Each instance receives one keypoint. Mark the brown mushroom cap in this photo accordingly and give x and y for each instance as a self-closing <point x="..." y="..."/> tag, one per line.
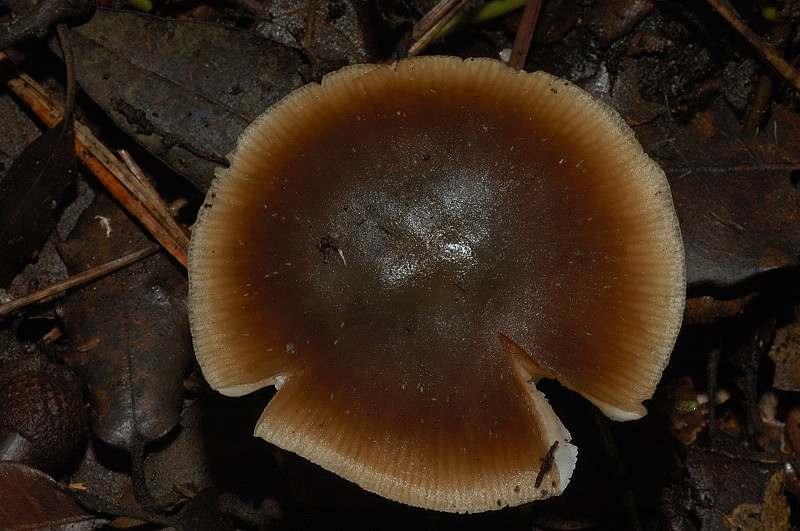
<point x="405" y="253"/>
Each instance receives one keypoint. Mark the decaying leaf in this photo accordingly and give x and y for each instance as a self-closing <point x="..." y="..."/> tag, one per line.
<point x="616" y="18"/>
<point x="184" y="90"/>
<point x="29" y="192"/>
<point x="772" y="513"/>
<point x="683" y="410"/>
<point x="785" y="353"/>
<point x="100" y="475"/>
<point x="185" y="461"/>
<point x="728" y="478"/>
<point x="34" y="18"/>
<point x="622" y="93"/>
<point x="735" y="196"/>
<point x="33" y="500"/>
<point x="128" y="331"/>
<point x="19" y="131"/>
<point x="202" y="455"/>
<point x="335" y="30"/>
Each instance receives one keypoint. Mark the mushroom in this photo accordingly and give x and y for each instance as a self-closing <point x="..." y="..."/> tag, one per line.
<point x="405" y="252"/>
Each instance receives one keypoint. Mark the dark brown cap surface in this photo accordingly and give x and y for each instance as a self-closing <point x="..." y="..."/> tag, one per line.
<point x="405" y="253"/>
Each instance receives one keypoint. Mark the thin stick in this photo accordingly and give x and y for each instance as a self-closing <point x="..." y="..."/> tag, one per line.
<point x="155" y="203"/>
<point x="522" y="41"/>
<point x="123" y="185"/>
<point x="766" y="79"/>
<point x="76" y="280"/>
<point x="108" y="169"/>
<point x="434" y="20"/>
<point x="781" y="66"/>
<point x="471" y="17"/>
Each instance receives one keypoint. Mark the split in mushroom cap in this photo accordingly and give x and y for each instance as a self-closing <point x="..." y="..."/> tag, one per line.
<point x="405" y="253"/>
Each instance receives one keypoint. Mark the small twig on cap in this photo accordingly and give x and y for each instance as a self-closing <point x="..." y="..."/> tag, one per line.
<point x="76" y="280"/>
<point x="522" y="41"/>
<point x="787" y="71"/>
<point x="108" y="169"/>
<point x="547" y="464"/>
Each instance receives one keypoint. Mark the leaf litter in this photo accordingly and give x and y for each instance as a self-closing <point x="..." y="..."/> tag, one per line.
<point x="184" y="90"/>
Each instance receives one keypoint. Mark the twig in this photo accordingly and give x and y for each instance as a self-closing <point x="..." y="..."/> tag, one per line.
<point x="76" y="280"/>
<point x="522" y="41"/>
<point x="787" y="71"/>
<point x="712" y="385"/>
<point x="155" y="204"/>
<point x="138" y="480"/>
<point x="761" y="100"/>
<point x="754" y="350"/>
<point x="123" y="185"/>
<point x="472" y="17"/>
<point x="766" y="81"/>
<point x="108" y="169"/>
<point x="547" y="464"/>
<point x="434" y="20"/>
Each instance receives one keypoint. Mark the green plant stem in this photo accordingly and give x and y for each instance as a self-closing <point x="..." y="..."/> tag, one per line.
<point x="488" y="11"/>
<point x="766" y="81"/>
